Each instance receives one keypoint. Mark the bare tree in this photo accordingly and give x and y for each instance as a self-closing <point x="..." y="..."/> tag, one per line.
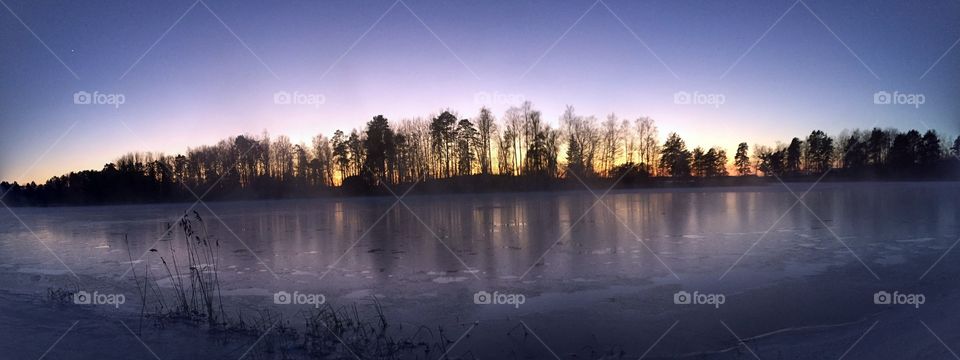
<point x="324" y="160"/>
<point x="486" y="131"/>
<point x="282" y="158"/>
<point x="610" y="144"/>
<point x="582" y="137"/>
<point x="649" y="143"/>
<point x="514" y="133"/>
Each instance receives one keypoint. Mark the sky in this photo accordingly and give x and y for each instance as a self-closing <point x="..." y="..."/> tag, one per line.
<point x="167" y="75"/>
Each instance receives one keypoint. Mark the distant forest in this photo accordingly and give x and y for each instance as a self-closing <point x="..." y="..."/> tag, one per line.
<point x="520" y="152"/>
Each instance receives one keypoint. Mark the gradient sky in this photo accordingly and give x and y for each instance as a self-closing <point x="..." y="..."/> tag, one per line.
<point x="214" y="73"/>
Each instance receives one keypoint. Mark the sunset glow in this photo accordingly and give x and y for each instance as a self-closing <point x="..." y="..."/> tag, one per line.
<point x="414" y="59"/>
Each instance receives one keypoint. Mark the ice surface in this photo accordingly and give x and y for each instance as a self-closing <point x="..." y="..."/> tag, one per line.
<point x="596" y="285"/>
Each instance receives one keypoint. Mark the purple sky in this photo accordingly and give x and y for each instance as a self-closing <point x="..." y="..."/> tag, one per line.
<point x="193" y="77"/>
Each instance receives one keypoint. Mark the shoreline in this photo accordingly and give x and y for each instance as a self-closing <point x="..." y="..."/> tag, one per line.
<point x="423" y="189"/>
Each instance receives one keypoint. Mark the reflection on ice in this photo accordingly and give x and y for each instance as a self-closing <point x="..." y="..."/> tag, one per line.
<point x="605" y="275"/>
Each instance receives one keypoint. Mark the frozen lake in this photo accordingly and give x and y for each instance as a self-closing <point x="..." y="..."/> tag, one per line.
<point x="793" y="277"/>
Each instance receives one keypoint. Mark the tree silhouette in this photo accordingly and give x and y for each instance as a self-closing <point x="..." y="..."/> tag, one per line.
<point x="521" y="153"/>
<point x="855" y="151"/>
<point x="674" y="157"/>
<point x="956" y="147"/>
<point x="377" y="146"/>
<point x="877" y="146"/>
<point x="581" y="141"/>
<point x="341" y="153"/>
<point x="904" y="152"/>
<point x="441" y="138"/>
<point x="649" y="144"/>
<point x="793" y="156"/>
<point x="771" y="162"/>
<point x="819" y="151"/>
<point x="467" y="139"/>
<point x="716" y="162"/>
<point x="930" y="151"/>
<point x="741" y="159"/>
<point x="486" y="128"/>
<point x="699" y="163"/>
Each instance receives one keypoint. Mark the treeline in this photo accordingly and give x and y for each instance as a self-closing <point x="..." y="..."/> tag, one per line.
<point x="518" y="151"/>
<point x="877" y="152"/>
